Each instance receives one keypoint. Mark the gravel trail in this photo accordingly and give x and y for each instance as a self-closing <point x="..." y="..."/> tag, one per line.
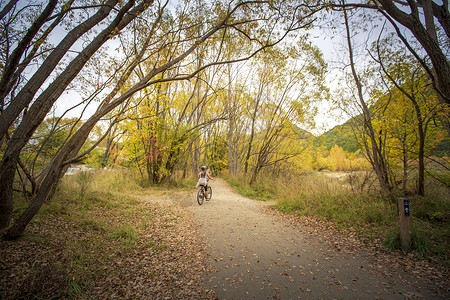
<point x="258" y="256"/>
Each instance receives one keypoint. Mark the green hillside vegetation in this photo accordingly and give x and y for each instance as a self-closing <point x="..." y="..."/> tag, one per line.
<point x="341" y="135"/>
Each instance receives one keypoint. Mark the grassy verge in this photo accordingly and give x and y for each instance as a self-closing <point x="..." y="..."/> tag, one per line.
<point x="102" y="236"/>
<point x="368" y="213"/>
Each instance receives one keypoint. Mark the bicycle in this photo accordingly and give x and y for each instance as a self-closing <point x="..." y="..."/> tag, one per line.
<point x="201" y="194"/>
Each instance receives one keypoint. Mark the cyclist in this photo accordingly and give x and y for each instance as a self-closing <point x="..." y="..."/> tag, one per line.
<point x="203" y="177"/>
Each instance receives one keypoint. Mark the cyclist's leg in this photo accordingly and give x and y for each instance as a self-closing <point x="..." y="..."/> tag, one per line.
<point x="209" y="192"/>
<point x="206" y="190"/>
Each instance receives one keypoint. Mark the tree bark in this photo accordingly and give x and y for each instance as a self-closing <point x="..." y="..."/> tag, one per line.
<point x="427" y="39"/>
<point x="27" y="93"/>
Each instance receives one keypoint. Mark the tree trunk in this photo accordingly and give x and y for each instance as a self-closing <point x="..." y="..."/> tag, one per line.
<point x="106" y="154"/>
<point x="232" y="159"/>
<point x="421" y="179"/>
<point x="421" y="170"/>
<point x="231" y="151"/>
<point x="6" y="199"/>
<point x="252" y="133"/>
<point x="43" y="104"/>
<point x="26" y="94"/>
<point x="405" y="165"/>
<point x="375" y="151"/>
<point x="427" y="38"/>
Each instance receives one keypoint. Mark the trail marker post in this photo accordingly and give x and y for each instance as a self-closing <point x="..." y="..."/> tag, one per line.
<point x="404" y="223"/>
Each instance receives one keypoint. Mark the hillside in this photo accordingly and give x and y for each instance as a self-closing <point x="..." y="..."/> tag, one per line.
<point x="345" y="136"/>
<point x="341" y="135"/>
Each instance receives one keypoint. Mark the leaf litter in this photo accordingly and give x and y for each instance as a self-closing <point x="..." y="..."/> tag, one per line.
<point x="157" y="253"/>
<point x="386" y="262"/>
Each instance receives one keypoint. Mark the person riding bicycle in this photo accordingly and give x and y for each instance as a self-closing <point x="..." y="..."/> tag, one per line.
<point x="203" y="177"/>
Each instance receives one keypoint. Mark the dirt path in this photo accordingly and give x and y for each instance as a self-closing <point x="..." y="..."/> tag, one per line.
<point x="258" y="256"/>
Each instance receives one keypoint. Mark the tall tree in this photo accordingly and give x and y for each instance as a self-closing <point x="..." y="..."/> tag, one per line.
<point x="407" y="81"/>
<point x="233" y="16"/>
<point x="435" y="16"/>
<point x="47" y="98"/>
<point x="374" y="148"/>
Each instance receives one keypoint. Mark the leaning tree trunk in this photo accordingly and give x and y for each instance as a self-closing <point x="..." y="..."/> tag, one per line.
<point x="26" y="94"/>
<point x="43" y="104"/>
<point x="53" y="175"/>
<point x="7" y="8"/>
<point x="6" y="82"/>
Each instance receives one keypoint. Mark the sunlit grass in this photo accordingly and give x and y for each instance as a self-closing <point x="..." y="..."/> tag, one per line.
<point x="127" y="234"/>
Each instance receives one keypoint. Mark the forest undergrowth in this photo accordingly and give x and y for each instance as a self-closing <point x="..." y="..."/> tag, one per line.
<point x="103" y="236"/>
<point x="346" y="202"/>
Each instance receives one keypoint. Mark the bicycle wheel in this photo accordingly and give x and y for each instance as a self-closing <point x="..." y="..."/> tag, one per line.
<point x="200" y="196"/>
<point x="209" y="193"/>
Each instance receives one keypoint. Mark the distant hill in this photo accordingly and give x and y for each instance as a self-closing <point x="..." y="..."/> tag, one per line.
<point x="344" y="136"/>
<point x="341" y="135"/>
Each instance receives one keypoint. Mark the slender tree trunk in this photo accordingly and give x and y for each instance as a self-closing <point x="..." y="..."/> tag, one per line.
<point x="421" y="179"/>
<point x="105" y="156"/>
<point x="252" y="133"/>
<point x="14" y="59"/>
<point x="230" y="142"/>
<point x="232" y="157"/>
<point x="375" y="151"/>
<point x="7" y="8"/>
<point x="405" y="165"/>
<point x="421" y="169"/>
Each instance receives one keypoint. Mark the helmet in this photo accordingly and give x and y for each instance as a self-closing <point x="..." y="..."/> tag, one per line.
<point x="203" y="168"/>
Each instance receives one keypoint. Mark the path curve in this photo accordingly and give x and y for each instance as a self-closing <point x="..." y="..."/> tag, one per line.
<point x="258" y="256"/>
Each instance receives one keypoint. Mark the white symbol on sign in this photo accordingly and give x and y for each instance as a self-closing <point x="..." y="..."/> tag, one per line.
<point x="406" y="210"/>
